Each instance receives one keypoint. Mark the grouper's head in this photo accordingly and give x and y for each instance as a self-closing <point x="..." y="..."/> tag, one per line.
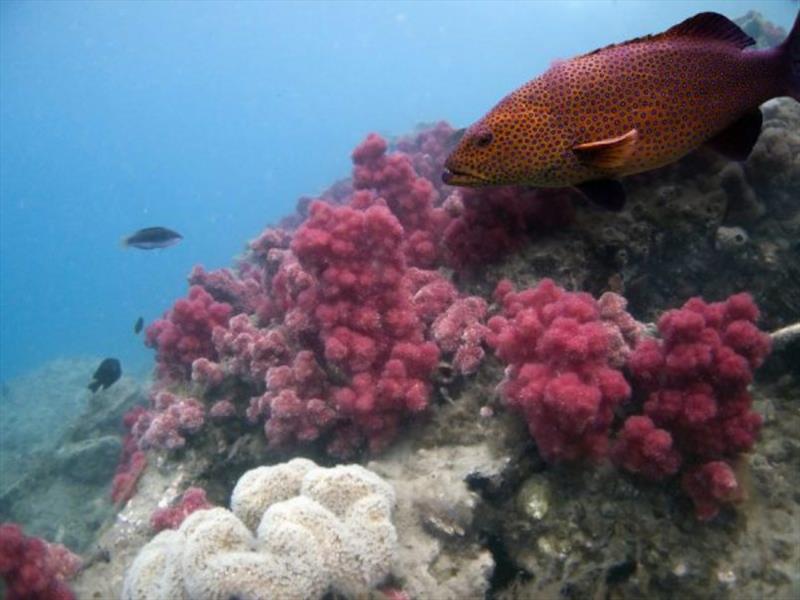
<point x="509" y="146"/>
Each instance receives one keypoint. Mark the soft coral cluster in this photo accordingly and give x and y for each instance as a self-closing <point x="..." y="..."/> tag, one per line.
<point x="331" y="327"/>
<point x="410" y="197"/>
<point x="332" y="331"/>
<point x="565" y="351"/>
<point x="460" y="330"/>
<point x="361" y="304"/>
<point x="184" y="333"/>
<point x="171" y="517"/>
<point x="697" y="410"/>
<point x="242" y="292"/>
<point x="353" y="331"/>
<point x="171" y="419"/>
<point x="34" y="569"/>
<point x="485" y="224"/>
<point x="246" y="350"/>
<point x="295" y="405"/>
<point x="560" y="374"/>
<point x="132" y="461"/>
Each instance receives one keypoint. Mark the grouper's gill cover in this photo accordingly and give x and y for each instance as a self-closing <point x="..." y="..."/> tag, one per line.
<point x="629" y="108"/>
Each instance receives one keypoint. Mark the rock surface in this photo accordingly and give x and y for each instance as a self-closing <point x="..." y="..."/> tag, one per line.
<point x="65" y="444"/>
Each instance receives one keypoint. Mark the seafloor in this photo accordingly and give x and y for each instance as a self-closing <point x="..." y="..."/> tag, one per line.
<point x="479" y="513"/>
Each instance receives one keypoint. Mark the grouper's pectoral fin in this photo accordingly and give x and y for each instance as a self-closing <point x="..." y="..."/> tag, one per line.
<point x="607" y="193"/>
<point x="609" y="154"/>
<point x="737" y="140"/>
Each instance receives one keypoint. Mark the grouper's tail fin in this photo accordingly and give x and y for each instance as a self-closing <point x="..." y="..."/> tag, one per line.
<point x="791" y="46"/>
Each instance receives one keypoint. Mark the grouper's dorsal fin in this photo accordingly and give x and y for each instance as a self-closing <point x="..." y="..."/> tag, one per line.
<point x="702" y="26"/>
<point x="710" y="26"/>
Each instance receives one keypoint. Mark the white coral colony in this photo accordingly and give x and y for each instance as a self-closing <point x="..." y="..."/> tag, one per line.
<point x="295" y="530"/>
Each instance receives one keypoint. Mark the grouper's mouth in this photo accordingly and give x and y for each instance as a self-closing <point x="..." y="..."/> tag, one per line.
<point x="453" y="176"/>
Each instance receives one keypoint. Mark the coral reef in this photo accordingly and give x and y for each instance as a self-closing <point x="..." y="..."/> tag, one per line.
<point x="184" y="333"/>
<point x="560" y="375"/>
<point x="171" y="517"/>
<point x="132" y="460"/>
<point x="310" y="352"/>
<point x="334" y="332"/>
<point x="358" y="327"/>
<point x="32" y="568"/>
<point x="698" y="407"/>
<point x="294" y="531"/>
<point x="490" y="223"/>
<point x="489" y="515"/>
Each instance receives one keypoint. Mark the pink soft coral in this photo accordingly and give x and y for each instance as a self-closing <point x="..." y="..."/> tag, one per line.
<point x="410" y="197"/>
<point x="34" y="569"/>
<point x="486" y="224"/>
<point x="132" y="461"/>
<point x="171" y="517"/>
<point x="560" y="375"/>
<point x="695" y="380"/>
<point x="172" y="419"/>
<point x="184" y="333"/>
<point x="361" y="304"/>
<point x="460" y="330"/>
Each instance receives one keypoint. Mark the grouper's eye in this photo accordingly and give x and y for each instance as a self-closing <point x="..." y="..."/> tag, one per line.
<point x="483" y="139"/>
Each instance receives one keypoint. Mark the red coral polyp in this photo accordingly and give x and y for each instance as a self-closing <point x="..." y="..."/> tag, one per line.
<point x="184" y="333"/>
<point x="644" y="449"/>
<point x="34" y="569"/>
<point x="560" y="374"/>
<point x="695" y="380"/>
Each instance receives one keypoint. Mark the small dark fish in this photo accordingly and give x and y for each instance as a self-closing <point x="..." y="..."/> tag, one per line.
<point x="106" y="374"/>
<point x="152" y="237"/>
<point x="137" y="328"/>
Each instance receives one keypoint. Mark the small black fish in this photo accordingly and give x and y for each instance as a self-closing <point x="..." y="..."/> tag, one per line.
<point x="137" y="328"/>
<point x="152" y="237"/>
<point x="106" y="374"/>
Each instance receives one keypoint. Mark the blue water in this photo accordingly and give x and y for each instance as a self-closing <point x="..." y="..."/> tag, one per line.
<point x="212" y="118"/>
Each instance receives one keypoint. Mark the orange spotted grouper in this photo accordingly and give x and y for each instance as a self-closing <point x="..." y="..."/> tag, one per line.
<point x="629" y="108"/>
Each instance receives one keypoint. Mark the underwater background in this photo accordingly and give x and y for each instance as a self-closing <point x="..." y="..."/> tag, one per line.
<point x="213" y="118"/>
<point x="378" y="384"/>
